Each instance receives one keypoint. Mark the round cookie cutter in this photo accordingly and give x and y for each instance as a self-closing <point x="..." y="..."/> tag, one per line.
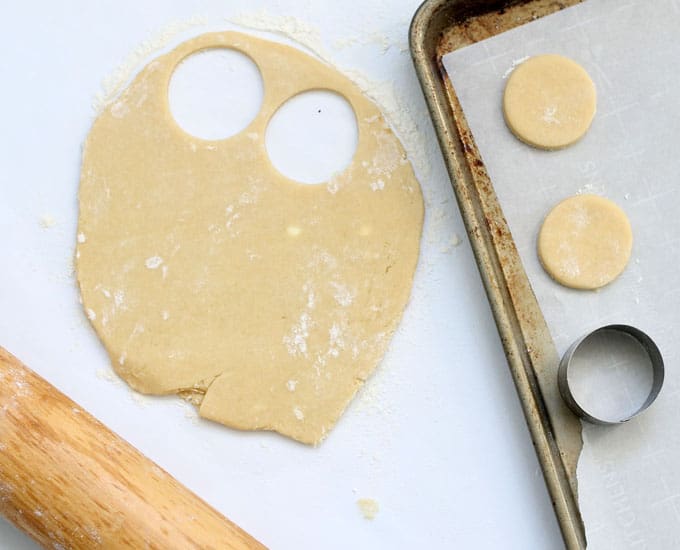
<point x="652" y="352"/>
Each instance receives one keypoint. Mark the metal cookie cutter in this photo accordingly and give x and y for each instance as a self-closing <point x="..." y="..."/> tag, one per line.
<point x="650" y="349"/>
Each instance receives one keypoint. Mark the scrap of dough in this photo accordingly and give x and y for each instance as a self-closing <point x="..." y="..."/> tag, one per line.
<point x="549" y="101"/>
<point x="369" y="507"/>
<point x="209" y="274"/>
<point x="585" y="242"/>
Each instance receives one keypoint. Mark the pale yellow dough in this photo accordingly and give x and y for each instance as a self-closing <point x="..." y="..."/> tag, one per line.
<point x="207" y="273"/>
<point x="585" y="242"/>
<point x="549" y="101"/>
<point x="369" y="507"/>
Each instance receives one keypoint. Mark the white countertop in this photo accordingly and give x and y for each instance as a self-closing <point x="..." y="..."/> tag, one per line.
<point x="436" y="436"/>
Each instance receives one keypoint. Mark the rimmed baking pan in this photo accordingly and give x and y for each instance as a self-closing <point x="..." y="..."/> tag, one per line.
<point x="440" y="27"/>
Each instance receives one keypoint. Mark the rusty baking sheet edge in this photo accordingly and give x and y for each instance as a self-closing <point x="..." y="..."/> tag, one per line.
<point x="439" y="27"/>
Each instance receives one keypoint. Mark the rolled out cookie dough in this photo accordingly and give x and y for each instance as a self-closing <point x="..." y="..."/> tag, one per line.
<point x="207" y="273"/>
<point x="549" y="101"/>
<point x="585" y="242"/>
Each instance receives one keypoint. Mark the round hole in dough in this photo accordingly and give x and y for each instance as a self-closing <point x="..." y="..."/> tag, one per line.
<point x="216" y="93"/>
<point x="585" y="242"/>
<point x="312" y="136"/>
<point x="549" y="101"/>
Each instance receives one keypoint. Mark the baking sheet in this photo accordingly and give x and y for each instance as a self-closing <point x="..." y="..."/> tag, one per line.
<point x="628" y="483"/>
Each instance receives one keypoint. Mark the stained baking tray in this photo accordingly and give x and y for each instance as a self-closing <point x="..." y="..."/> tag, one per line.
<point x="438" y="28"/>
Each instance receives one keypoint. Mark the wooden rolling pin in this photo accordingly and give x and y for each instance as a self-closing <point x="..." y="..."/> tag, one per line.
<point x="71" y="483"/>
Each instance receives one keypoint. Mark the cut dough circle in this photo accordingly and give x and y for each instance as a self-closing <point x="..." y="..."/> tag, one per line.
<point x="585" y="242"/>
<point x="549" y="101"/>
<point x="207" y="273"/>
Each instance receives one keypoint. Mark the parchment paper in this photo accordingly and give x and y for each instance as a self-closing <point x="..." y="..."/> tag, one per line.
<point x="629" y="475"/>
